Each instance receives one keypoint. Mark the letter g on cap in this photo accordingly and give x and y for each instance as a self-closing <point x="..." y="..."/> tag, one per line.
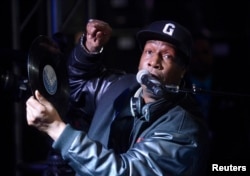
<point x="169" y="29"/>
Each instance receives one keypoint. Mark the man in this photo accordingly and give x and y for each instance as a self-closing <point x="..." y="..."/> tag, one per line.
<point x="128" y="129"/>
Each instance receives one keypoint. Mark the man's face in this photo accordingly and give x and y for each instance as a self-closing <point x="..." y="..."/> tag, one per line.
<point x="159" y="58"/>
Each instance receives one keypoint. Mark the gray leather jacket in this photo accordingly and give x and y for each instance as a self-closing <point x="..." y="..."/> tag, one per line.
<point x="167" y="137"/>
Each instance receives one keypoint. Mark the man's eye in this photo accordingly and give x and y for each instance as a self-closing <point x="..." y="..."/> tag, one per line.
<point x="148" y="51"/>
<point x="167" y="56"/>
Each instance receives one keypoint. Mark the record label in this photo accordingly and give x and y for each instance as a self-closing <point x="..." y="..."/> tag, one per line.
<point x="49" y="79"/>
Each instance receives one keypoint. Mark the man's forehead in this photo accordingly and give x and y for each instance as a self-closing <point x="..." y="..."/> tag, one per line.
<point x="160" y="42"/>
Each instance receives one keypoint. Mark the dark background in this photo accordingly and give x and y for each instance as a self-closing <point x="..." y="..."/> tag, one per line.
<point x="26" y="150"/>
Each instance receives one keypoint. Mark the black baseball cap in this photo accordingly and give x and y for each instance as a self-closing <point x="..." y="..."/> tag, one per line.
<point x="169" y="31"/>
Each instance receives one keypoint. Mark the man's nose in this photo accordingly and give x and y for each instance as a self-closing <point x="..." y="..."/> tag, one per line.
<point x="155" y="61"/>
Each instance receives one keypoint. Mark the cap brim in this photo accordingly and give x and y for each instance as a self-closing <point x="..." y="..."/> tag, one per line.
<point x="146" y="35"/>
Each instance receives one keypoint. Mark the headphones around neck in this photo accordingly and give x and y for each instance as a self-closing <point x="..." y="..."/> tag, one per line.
<point x="136" y="103"/>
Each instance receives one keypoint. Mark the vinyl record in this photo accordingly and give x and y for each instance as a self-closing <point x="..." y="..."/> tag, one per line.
<point x="47" y="72"/>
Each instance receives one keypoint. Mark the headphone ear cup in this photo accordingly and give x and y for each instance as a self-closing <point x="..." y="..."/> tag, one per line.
<point x="136" y="104"/>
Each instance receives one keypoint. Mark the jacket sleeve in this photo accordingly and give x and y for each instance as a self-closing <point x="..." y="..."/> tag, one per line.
<point x="160" y="153"/>
<point x="88" y="80"/>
